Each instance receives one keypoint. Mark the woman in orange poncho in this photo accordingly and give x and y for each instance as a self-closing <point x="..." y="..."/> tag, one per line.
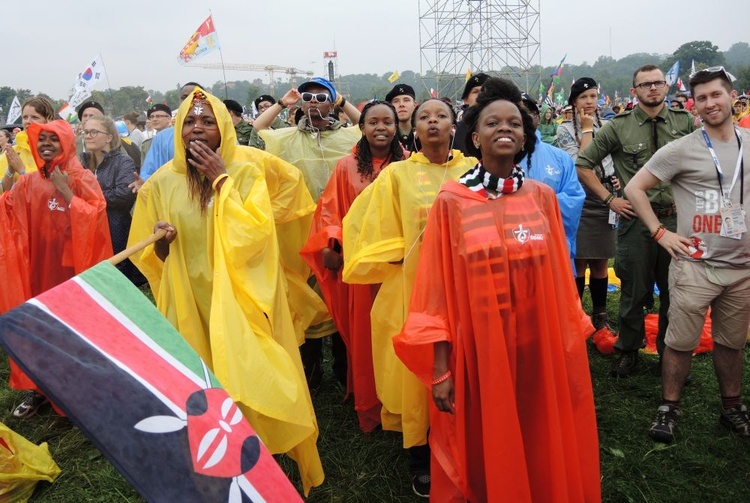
<point x="496" y="329"/>
<point x="54" y="224"/>
<point x="350" y="304"/>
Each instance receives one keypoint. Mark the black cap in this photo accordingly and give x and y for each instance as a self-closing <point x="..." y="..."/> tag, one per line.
<point x="400" y="90"/>
<point x="579" y="87"/>
<point x="158" y="107"/>
<point x="89" y="104"/>
<point x="529" y="102"/>
<point x="476" y="80"/>
<point x="264" y="97"/>
<point x="234" y="107"/>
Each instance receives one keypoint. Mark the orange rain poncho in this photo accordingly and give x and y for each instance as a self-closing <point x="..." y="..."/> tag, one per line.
<point x="382" y="236"/>
<point x="348" y="304"/>
<point x="222" y="288"/>
<point x="495" y="282"/>
<point x="45" y="241"/>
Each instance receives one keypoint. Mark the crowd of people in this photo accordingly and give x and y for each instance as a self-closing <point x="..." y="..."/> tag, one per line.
<point x="442" y="249"/>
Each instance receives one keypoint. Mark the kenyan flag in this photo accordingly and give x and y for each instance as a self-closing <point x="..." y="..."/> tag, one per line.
<point x="106" y="357"/>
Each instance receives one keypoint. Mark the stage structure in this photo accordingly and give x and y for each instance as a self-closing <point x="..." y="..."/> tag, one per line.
<point x="500" y="37"/>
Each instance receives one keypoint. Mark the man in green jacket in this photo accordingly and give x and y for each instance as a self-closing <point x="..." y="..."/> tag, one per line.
<point x="631" y="138"/>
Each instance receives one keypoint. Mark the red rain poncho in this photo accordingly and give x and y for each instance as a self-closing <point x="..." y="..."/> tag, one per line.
<point x="349" y="305"/>
<point x="46" y="240"/>
<point x="495" y="282"/>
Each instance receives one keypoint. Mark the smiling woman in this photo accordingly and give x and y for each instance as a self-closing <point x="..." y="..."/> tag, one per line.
<point x="57" y="217"/>
<point x="485" y="331"/>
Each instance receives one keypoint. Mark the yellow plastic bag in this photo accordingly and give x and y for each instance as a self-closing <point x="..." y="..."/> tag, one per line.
<point x="22" y="465"/>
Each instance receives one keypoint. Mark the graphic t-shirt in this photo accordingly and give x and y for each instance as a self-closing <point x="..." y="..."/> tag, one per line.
<point x="687" y="165"/>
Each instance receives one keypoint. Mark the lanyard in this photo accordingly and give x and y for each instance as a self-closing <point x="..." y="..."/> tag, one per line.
<point x="738" y="170"/>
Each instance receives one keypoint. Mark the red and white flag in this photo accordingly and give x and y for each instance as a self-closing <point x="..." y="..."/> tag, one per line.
<point x="201" y="42"/>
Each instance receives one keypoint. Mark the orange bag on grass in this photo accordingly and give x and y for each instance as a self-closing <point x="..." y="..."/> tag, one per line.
<point x="22" y="465"/>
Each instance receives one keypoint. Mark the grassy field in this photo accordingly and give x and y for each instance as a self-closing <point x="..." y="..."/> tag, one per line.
<point x="705" y="464"/>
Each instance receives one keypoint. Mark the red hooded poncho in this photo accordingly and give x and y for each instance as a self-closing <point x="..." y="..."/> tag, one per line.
<point x="46" y="241"/>
<point x="495" y="282"/>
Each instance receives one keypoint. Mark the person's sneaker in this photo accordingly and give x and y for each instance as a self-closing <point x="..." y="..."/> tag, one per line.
<point x="30" y="405"/>
<point x="665" y="424"/>
<point x="625" y="365"/>
<point x="421" y="485"/>
<point x="736" y="419"/>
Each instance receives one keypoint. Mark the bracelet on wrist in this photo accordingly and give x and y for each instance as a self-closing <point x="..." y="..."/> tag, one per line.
<point x="281" y="104"/>
<point x="441" y="379"/>
<point x="660" y="234"/>
<point x="584" y="131"/>
<point x="609" y="199"/>
<point x="219" y="179"/>
<point x="658" y="230"/>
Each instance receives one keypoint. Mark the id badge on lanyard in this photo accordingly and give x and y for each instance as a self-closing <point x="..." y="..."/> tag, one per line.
<point x="733" y="223"/>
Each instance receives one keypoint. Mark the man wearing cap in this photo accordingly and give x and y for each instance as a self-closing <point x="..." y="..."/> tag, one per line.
<point x="631" y="138"/>
<point x="554" y="167"/>
<point x="241" y="126"/>
<point x="263" y="103"/>
<point x="159" y="149"/>
<point x="402" y="98"/>
<point x="314" y="147"/>
<point x="471" y="91"/>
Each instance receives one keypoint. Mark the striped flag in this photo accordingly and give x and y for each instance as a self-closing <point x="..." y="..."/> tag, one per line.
<point x="202" y="41"/>
<point x="106" y="357"/>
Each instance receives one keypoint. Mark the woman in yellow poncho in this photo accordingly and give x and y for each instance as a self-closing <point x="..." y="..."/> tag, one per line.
<point x="18" y="160"/>
<point x="216" y="277"/>
<point x="382" y="236"/>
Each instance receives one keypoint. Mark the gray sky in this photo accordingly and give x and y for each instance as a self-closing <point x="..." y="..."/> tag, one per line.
<point x="139" y="40"/>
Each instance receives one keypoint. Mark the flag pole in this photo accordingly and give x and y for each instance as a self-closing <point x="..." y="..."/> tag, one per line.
<point x="109" y="87"/>
<point x="221" y="56"/>
<point x="130" y="250"/>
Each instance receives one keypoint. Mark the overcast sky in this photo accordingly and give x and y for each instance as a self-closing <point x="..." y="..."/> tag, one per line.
<point x="49" y="44"/>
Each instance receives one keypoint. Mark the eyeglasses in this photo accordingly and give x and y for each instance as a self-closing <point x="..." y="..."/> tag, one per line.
<point x="160" y="116"/>
<point x="93" y="133"/>
<point x="319" y="97"/>
<point x="647" y="85"/>
<point x="716" y="69"/>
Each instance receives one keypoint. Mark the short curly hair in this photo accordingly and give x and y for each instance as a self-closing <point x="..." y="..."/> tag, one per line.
<point x="495" y="89"/>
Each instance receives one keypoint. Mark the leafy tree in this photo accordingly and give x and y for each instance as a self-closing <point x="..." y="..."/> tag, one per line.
<point x="703" y="52"/>
<point x="738" y="55"/>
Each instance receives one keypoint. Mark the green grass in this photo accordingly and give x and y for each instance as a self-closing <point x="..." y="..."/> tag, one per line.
<point x="705" y="464"/>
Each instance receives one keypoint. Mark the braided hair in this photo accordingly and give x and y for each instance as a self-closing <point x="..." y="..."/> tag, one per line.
<point x="495" y="89"/>
<point x="363" y="154"/>
<point x="598" y="123"/>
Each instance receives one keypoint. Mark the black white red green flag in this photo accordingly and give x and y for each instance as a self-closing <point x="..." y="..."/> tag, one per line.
<point x="107" y="358"/>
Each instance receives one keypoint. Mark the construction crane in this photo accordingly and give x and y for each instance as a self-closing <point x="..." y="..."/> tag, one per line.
<point x="244" y="67"/>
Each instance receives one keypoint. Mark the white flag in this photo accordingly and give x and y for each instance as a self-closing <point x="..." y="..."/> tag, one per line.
<point x="91" y="76"/>
<point x="80" y="95"/>
<point x="15" y="111"/>
<point x="692" y="68"/>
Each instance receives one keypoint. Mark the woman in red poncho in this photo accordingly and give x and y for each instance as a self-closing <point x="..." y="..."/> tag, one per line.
<point x="350" y="305"/>
<point x="54" y="226"/>
<point x="496" y="329"/>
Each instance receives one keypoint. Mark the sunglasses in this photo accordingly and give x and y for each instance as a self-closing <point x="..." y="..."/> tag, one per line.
<point x="716" y="69"/>
<point x="647" y="85"/>
<point x="319" y="97"/>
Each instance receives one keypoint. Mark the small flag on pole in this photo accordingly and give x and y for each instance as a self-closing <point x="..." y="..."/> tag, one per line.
<point x="394" y="77"/>
<point x="14" y="112"/>
<point x="468" y="75"/>
<point x="673" y="73"/>
<point x="433" y="93"/>
<point x="149" y="99"/>
<point x="558" y="71"/>
<point x="201" y="42"/>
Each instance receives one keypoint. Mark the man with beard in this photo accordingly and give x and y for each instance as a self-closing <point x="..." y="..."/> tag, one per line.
<point x="711" y="250"/>
<point x="631" y="138"/>
<point x="222" y="287"/>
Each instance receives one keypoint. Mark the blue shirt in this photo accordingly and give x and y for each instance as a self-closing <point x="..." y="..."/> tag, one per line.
<point x="160" y="152"/>
<point x="554" y="167"/>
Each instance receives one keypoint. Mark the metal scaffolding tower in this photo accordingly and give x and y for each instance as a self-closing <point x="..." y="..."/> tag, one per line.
<point x="501" y="37"/>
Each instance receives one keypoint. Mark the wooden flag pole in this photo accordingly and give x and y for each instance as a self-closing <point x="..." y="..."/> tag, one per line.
<point x="130" y="250"/>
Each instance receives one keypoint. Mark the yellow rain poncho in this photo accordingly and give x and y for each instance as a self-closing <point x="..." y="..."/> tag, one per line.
<point x="222" y="288"/>
<point x="315" y="153"/>
<point x="293" y="210"/>
<point x="382" y="236"/>
<point x="24" y="152"/>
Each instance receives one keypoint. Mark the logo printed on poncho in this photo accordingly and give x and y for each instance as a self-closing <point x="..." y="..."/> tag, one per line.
<point x="524" y="235"/>
<point x="53" y="205"/>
